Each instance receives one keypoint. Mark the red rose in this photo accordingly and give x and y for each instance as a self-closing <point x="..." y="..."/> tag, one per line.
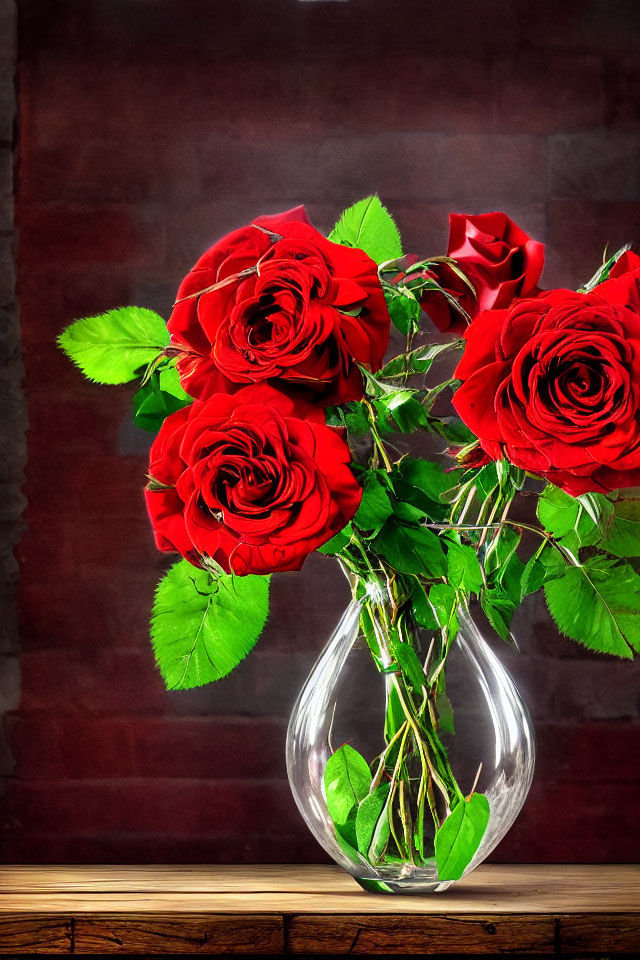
<point x="277" y="301"/>
<point x="499" y="259"/>
<point x="553" y="385"/>
<point x="625" y="264"/>
<point x="254" y="482"/>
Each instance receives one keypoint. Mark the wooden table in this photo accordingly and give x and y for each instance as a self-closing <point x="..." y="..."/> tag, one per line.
<point x="316" y="910"/>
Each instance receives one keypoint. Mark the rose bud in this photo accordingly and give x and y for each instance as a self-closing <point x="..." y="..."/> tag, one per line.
<point x="499" y="259"/>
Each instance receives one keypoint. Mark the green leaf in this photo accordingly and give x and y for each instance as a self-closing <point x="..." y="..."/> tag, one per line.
<point x="347" y="779"/>
<point x="408" y="513"/>
<point x="464" y="568"/>
<point x="420" y="501"/>
<point x="598" y="604"/>
<point x="486" y="478"/>
<point x="409" y="415"/>
<point x="602" y="273"/>
<point x="335" y="544"/>
<point x="411" y="549"/>
<point x="112" y="347"/>
<point x="622" y="530"/>
<point x="459" y="837"/>
<point x="356" y="419"/>
<point x="375" y="506"/>
<point x="417" y="361"/>
<point x="202" y="627"/>
<point x="404" y="311"/>
<point x="536" y="572"/>
<point x="384" y="421"/>
<point x="378" y="388"/>
<point x="442" y="598"/>
<point x="429" y="477"/>
<point x="369" y="226"/>
<point x="452" y="429"/>
<point x="347" y="832"/>
<point x="410" y="665"/>
<point x="169" y="382"/>
<point x="394" y="718"/>
<point x="372" y="823"/>
<point x="534" y="576"/>
<point x="509" y="477"/>
<point x="503" y="567"/>
<point x="159" y="397"/>
<point x="563" y="516"/>
<point x="422" y="609"/>
<point x="499" y="609"/>
<point x="430" y="396"/>
<point x="444" y="711"/>
<point x="334" y="416"/>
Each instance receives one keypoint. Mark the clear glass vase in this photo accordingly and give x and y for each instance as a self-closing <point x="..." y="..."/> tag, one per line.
<point x="469" y="734"/>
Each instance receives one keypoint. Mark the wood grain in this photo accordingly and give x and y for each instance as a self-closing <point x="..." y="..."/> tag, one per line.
<point x="371" y="935"/>
<point x="201" y="934"/>
<point x="33" y="933"/>
<point x="619" y="933"/>
<point x="315" y="910"/>
<point x="498" y="888"/>
<point x="313" y="878"/>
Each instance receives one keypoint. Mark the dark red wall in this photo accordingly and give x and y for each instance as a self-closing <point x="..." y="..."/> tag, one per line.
<point x="148" y="129"/>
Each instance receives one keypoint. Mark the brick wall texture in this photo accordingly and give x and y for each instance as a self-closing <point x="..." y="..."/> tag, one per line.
<point x="12" y="400"/>
<point x="148" y="129"/>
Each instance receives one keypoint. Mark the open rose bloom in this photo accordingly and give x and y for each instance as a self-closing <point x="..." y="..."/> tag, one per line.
<point x="253" y="481"/>
<point x="277" y="302"/>
<point x="282" y="409"/>
<point x="553" y="384"/>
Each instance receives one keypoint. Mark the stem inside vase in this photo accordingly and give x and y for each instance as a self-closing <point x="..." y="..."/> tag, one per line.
<point x="385" y="782"/>
<point x="413" y="769"/>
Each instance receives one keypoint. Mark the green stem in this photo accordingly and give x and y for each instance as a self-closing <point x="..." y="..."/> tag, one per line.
<point x="394" y="786"/>
<point x="377" y="778"/>
<point x="377" y="439"/>
<point x="427" y="767"/>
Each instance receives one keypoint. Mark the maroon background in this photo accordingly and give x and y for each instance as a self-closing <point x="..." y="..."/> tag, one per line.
<point x="148" y="129"/>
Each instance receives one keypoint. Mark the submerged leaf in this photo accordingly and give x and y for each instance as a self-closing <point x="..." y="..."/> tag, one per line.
<point x="372" y="823"/>
<point x="410" y="665"/>
<point x="347" y="779"/>
<point x="460" y="835"/>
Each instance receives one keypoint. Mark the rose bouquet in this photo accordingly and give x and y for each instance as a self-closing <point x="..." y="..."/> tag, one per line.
<point x="281" y="430"/>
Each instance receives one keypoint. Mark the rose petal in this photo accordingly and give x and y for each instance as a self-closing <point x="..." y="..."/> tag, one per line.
<point x="474" y="400"/>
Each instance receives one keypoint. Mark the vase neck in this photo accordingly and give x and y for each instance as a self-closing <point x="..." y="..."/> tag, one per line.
<point x="373" y="588"/>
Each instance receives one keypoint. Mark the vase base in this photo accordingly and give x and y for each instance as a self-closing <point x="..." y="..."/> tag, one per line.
<point x="406" y="886"/>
